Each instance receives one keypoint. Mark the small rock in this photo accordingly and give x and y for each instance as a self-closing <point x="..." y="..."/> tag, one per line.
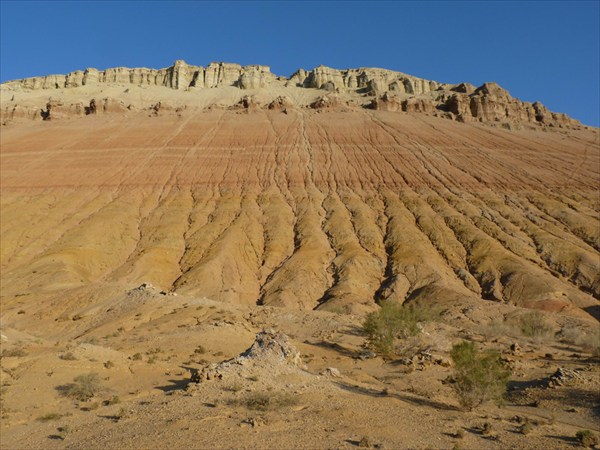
<point x="563" y="376"/>
<point x="331" y="372"/>
<point x="255" y="422"/>
<point x="367" y="354"/>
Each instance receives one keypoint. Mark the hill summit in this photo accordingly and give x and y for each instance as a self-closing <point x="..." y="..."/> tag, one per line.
<point x="373" y="88"/>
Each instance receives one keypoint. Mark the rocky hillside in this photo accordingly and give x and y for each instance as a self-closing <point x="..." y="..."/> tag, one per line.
<point x="371" y="88"/>
<point x="156" y="224"/>
<point x="333" y="189"/>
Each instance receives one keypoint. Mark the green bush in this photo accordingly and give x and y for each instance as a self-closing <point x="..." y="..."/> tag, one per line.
<point x="393" y="321"/>
<point x="83" y="388"/>
<point x="533" y="324"/>
<point x="586" y="438"/>
<point x="479" y="376"/>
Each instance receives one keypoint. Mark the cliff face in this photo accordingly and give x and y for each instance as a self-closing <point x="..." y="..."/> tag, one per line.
<point x="179" y="76"/>
<point x="488" y="104"/>
<point x="491" y="103"/>
<point x="183" y="76"/>
<point x="384" y="90"/>
<point x="364" y="79"/>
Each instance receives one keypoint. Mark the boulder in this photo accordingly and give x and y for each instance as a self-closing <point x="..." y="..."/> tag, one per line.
<point x="281" y="103"/>
<point x="271" y="353"/>
<point x="329" y="101"/>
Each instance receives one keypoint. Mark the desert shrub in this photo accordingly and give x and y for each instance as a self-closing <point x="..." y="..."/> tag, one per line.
<point x="586" y="438"/>
<point x="109" y="365"/>
<point x="83" y="388"/>
<point x="48" y="417"/>
<point x="533" y="324"/>
<point x="69" y="356"/>
<point x="137" y="357"/>
<point x="365" y="442"/>
<point x="589" y="340"/>
<point x="526" y="427"/>
<point x="235" y="387"/>
<point x="499" y="327"/>
<point x="393" y="321"/>
<point x="200" y="350"/>
<point x="16" y="352"/>
<point x="479" y="376"/>
<point x="265" y="401"/>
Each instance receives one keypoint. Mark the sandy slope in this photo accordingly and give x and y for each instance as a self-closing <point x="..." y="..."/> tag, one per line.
<point x="321" y="212"/>
<point x="303" y="210"/>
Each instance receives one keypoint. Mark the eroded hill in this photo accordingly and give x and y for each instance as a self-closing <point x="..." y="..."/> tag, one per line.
<point x="154" y="221"/>
<point x="287" y="196"/>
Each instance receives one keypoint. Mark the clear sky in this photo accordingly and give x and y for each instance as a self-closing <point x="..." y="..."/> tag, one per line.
<point x="546" y="51"/>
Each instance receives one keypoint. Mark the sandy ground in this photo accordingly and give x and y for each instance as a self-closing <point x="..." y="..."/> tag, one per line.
<point x="393" y="403"/>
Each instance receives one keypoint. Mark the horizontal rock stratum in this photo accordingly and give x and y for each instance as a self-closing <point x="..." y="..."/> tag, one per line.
<point x="333" y="189"/>
<point x="391" y="90"/>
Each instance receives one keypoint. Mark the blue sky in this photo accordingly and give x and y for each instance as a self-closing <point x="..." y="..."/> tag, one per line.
<point x="546" y="51"/>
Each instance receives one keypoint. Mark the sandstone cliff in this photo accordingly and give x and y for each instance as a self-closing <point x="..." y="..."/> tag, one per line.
<point x="388" y="90"/>
<point x="179" y="76"/>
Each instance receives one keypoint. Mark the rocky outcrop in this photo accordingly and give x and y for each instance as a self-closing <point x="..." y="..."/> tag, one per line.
<point x="329" y="102"/>
<point x="491" y="103"/>
<point x="55" y="109"/>
<point x="179" y="76"/>
<point x="249" y="103"/>
<point x="391" y="91"/>
<point x="322" y="76"/>
<point x="387" y="102"/>
<point x="270" y="354"/>
<point x="219" y="74"/>
<point x="460" y="106"/>
<point x="392" y="102"/>
<point x="419" y="105"/>
<point x="367" y="80"/>
<point x="281" y="103"/>
<point x="16" y="112"/>
<point x="464" y="88"/>
<point x="255" y="77"/>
